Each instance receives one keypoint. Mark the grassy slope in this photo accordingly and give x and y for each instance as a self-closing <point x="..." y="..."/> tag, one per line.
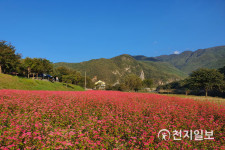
<point x="13" y="82"/>
<point x="166" y="68"/>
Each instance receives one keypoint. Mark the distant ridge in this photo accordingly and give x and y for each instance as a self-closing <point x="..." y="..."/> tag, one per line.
<point x="189" y="61"/>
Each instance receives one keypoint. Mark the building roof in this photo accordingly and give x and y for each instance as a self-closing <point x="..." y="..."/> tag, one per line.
<point x="100" y="82"/>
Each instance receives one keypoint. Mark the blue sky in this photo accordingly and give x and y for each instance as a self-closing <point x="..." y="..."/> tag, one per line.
<point x="80" y="30"/>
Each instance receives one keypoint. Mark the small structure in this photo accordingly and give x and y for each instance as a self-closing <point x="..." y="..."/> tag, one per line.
<point x="94" y="79"/>
<point x="142" y="76"/>
<point x="147" y="89"/>
<point x="57" y="79"/>
<point x="100" y="85"/>
<point x="45" y="77"/>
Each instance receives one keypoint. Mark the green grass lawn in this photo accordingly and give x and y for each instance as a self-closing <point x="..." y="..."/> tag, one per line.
<point x="217" y="100"/>
<point x="14" y="82"/>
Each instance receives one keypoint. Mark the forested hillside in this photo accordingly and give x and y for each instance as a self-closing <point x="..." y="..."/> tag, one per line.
<point x="189" y="61"/>
<point x="115" y="69"/>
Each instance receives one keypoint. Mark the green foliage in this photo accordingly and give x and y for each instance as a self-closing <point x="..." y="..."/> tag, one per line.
<point x="222" y="70"/>
<point x="35" y="65"/>
<point x="60" y="71"/>
<point x="89" y="83"/>
<point x="133" y="82"/>
<point x="9" y="61"/>
<point x="68" y="75"/>
<point x="120" y="87"/>
<point x="148" y="83"/>
<point x="29" y="65"/>
<point x="77" y="78"/>
<point x="67" y="79"/>
<point x="201" y="79"/>
<point x="178" y="86"/>
<point x="109" y="87"/>
<point x="73" y="78"/>
<point x="206" y="79"/>
<point x="162" y="70"/>
<point x="42" y="65"/>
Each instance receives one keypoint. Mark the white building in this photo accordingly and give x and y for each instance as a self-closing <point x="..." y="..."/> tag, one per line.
<point x="100" y="85"/>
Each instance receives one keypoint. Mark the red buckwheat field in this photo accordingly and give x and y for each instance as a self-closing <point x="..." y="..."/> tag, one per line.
<point x="106" y="120"/>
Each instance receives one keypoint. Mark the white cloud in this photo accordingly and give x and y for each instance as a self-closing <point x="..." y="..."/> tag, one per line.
<point x="176" y="52"/>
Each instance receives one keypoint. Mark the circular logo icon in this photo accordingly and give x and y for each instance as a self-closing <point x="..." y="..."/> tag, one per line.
<point x="164" y="134"/>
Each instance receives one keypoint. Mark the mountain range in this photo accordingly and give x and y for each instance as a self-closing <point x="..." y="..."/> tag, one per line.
<point x="161" y="69"/>
<point x="189" y="61"/>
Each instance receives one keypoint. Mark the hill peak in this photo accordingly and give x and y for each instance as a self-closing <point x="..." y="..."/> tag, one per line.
<point x="124" y="57"/>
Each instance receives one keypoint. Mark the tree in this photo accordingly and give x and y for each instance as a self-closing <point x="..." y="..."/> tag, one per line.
<point x="29" y="65"/>
<point x="77" y="77"/>
<point x="60" y="71"/>
<point x="133" y="82"/>
<point x="120" y="87"/>
<point x="185" y="85"/>
<point x="42" y="65"/>
<point x="9" y="61"/>
<point x="206" y="79"/>
<point x="67" y="79"/>
<point x="36" y="66"/>
<point x="89" y="83"/>
<point x="148" y="83"/>
<point x="222" y="70"/>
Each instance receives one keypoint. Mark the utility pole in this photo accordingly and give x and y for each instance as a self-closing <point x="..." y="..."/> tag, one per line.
<point x="85" y="82"/>
<point x="28" y="72"/>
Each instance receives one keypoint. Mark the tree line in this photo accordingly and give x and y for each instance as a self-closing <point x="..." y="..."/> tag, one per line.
<point x="203" y="80"/>
<point x="12" y="63"/>
<point x="131" y="82"/>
